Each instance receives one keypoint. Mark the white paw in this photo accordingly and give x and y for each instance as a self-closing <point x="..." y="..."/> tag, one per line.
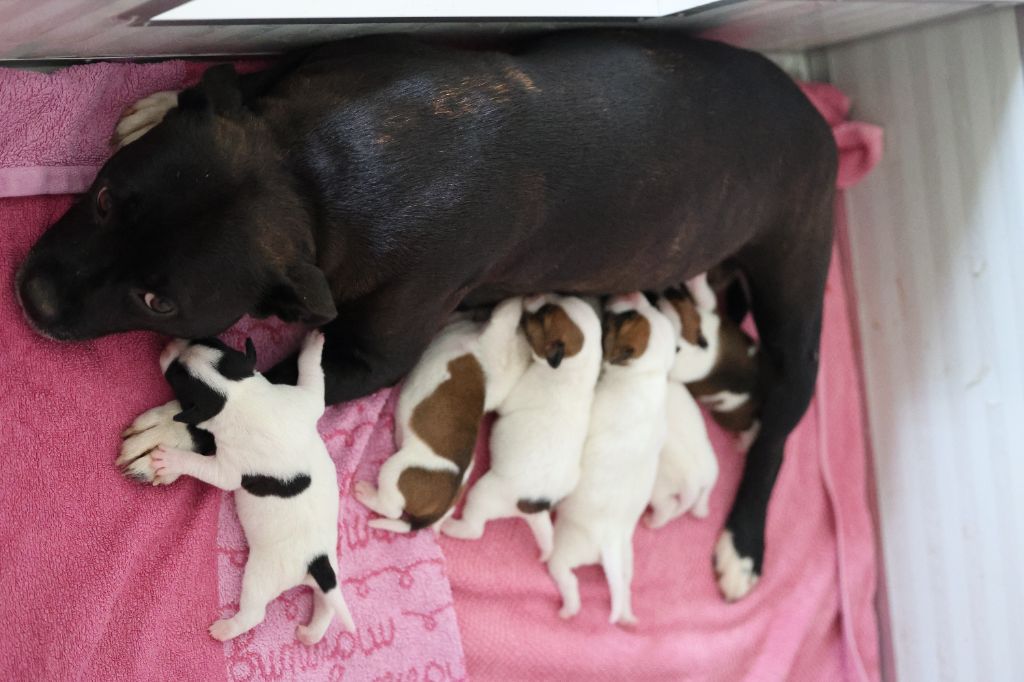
<point x="736" y="575"/>
<point x="459" y="529"/>
<point x="365" y="493"/>
<point x="304" y="634"/>
<point x="568" y="611"/>
<point x="152" y="428"/>
<point x="627" y="620"/>
<point x="223" y="630"/>
<point x="314" y="342"/>
<point x="143" y="116"/>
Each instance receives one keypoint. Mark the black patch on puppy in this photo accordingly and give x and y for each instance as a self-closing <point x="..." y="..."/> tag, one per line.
<point x="267" y="486"/>
<point x="323" y="574"/>
<point x="533" y="506"/>
<point x="233" y="365"/>
<point x="202" y="441"/>
<point x="198" y="401"/>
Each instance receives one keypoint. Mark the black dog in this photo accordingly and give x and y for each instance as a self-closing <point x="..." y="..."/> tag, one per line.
<point x="374" y="185"/>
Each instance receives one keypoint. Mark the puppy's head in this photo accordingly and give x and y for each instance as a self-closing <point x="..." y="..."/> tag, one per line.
<point x="183" y="231"/>
<point x="696" y="327"/>
<point x="550" y="329"/>
<point x="203" y="374"/>
<point x="627" y="331"/>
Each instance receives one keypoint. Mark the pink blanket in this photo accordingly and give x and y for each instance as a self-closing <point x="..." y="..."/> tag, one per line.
<point x="106" y="579"/>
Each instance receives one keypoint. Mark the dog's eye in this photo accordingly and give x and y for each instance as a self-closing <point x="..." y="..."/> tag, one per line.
<point x="158" y="304"/>
<point x="104" y="202"/>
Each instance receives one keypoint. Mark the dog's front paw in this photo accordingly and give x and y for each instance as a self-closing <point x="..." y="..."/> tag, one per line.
<point x="141" y="117"/>
<point x="225" y="629"/>
<point x="152" y="428"/>
<point x="736" y="574"/>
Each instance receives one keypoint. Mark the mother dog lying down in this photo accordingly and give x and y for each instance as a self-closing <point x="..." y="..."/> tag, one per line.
<point x="374" y="185"/>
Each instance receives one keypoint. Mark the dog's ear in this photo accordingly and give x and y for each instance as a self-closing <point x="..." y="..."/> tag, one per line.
<point x="218" y="92"/>
<point x="301" y="295"/>
<point x="250" y="352"/>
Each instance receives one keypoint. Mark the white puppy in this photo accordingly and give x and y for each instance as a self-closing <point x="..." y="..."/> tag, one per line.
<point x="537" y="441"/>
<point x="270" y="453"/>
<point x="687" y="467"/>
<point x="466" y="371"/>
<point x="595" y="522"/>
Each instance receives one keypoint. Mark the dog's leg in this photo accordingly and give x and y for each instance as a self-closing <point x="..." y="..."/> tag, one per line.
<point x="486" y="500"/>
<point x="157" y="427"/>
<point x="628" y="617"/>
<point x="323" y="614"/>
<point x="543" y="532"/>
<point x="787" y="280"/>
<point x="143" y="116"/>
<point x="613" y="563"/>
<point x="311" y="372"/>
<point x="169" y="463"/>
<point x="259" y="587"/>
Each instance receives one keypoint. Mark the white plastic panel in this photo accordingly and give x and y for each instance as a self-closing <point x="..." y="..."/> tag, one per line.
<point x="937" y="241"/>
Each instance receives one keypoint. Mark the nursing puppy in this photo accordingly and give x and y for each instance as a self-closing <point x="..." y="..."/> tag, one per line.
<point x="270" y="453"/>
<point x="538" y="438"/>
<point x="595" y="522"/>
<point x="687" y="466"/>
<point x="720" y="364"/>
<point x="466" y="371"/>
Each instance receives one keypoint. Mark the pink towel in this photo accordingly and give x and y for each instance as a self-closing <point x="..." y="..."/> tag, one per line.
<point x="812" y="615"/>
<point x="105" y="579"/>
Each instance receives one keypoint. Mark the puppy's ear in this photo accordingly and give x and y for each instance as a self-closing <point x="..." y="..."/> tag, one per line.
<point x="250" y="352"/>
<point x="302" y="295"/>
<point x="194" y="414"/>
<point x="218" y="92"/>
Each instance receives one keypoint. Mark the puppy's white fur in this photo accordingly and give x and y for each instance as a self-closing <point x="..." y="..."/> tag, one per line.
<point x="595" y="523"/>
<point x="269" y="430"/>
<point x="537" y="440"/>
<point x="687" y="466"/>
<point x="503" y="354"/>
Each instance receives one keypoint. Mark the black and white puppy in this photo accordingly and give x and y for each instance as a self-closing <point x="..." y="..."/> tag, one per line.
<point x="270" y="453"/>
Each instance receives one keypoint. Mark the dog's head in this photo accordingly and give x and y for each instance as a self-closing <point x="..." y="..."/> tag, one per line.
<point x="203" y="374"/>
<point x="635" y="333"/>
<point x="184" y="231"/>
<point x="694" y="317"/>
<point x="556" y="326"/>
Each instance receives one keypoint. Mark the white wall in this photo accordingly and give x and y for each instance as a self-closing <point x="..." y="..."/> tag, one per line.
<point x="937" y="239"/>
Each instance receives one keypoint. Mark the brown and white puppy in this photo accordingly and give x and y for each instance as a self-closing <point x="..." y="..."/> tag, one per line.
<point x="538" y="438"/>
<point x="596" y="521"/>
<point x="720" y="364"/>
<point x="466" y="371"/>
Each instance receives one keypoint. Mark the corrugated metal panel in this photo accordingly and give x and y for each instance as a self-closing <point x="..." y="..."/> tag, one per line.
<point x="937" y="239"/>
<point x="42" y="29"/>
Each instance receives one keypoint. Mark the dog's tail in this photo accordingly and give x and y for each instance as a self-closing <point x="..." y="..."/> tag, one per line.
<point x="327" y="580"/>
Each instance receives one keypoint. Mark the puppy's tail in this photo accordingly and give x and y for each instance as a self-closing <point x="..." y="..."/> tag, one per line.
<point x="323" y="574"/>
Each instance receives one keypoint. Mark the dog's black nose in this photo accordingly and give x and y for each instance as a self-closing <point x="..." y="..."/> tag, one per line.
<point x="39" y="298"/>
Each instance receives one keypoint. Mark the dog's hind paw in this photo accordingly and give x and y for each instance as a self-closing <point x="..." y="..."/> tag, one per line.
<point x="736" y="574"/>
<point x="152" y="428"/>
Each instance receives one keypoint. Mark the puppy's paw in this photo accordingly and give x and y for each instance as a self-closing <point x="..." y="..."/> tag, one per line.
<point x="167" y="465"/>
<point x="225" y="629"/>
<point x="568" y="611"/>
<point x="736" y="574"/>
<point x="306" y="635"/>
<point x="314" y="342"/>
<point x="152" y="428"/>
<point x="143" y="116"/>
<point x="627" y="620"/>
<point x="366" y="493"/>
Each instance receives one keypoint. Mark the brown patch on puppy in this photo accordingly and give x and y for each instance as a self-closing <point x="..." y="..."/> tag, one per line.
<point x="738" y="371"/>
<point x="521" y="78"/>
<point x="552" y="334"/>
<point x="449" y="418"/>
<point x="625" y="336"/>
<point x="428" y="495"/>
<point x="533" y="506"/>
<point x="681" y="300"/>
